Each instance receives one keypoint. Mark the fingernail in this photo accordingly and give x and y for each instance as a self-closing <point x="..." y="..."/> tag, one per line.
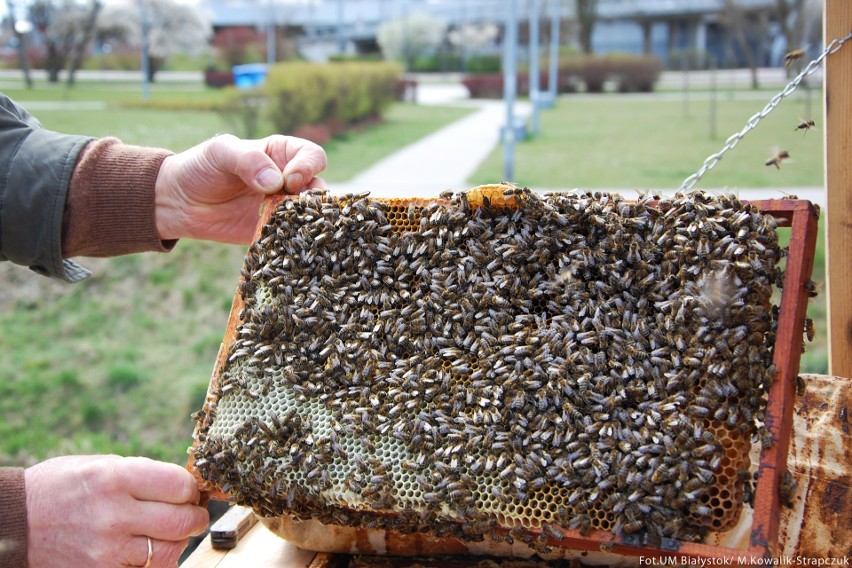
<point x="295" y="181"/>
<point x="269" y="178"/>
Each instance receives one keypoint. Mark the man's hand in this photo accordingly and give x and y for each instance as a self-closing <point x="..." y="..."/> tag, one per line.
<point x="96" y="511"/>
<point x="213" y="190"/>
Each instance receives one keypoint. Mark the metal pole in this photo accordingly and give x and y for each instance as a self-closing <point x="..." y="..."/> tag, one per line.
<point x="510" y="48"/>
<point x="553" y="75"/>
<point x="341" y="40"/>
<point x="146" y="60"/>
<point x="713" y="97"/>
<point x="271" y="33"/>
<point x="535" y="76"/>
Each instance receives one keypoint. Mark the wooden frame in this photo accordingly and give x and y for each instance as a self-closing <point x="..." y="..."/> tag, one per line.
<point x="837" y="23"/>
<point x="801" y="217"/>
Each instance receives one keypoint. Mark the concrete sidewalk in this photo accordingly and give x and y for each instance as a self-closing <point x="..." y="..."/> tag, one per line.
<point x="443" y="160"/>
<point x="446" y="158"/>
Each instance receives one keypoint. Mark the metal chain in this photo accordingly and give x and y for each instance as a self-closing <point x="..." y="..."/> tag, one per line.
<point x="734" y="139"/>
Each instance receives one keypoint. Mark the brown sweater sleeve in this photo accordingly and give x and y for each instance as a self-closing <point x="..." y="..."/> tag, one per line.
<point x="13" y="518"/>
<point x="109" y="210"/>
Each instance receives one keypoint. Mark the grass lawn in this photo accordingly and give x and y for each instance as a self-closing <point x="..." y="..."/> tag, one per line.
<point x="118" y="362"/>
<point x="652" y="143"/>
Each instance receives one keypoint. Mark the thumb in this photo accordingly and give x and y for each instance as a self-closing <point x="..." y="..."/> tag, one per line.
<point x="248" y="161"/>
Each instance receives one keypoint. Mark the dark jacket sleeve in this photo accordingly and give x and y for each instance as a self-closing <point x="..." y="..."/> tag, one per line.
<point x="35" y="172"/>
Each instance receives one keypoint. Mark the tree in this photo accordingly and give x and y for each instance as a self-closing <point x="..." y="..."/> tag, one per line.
<point x="237" y="45"/>
<point x="22" y="44"/>
<point x="67" y="29"/>
<point x="800" y="22"/>
<point x="405" y="38"/>
<point x="749" y="29"/>
<point x="173" y="28"/>
<point x="82" y="46"/>
<point x="587" y="15"/>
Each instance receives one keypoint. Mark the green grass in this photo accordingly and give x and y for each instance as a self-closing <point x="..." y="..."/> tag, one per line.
<point x="644" y="143"/>
<point x="404" y="123"/>
<point x="118" y="362"/>
<point x="652" y="144"/>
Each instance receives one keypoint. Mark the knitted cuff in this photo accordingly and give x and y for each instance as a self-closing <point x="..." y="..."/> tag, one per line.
<point x="109" y="210"/>
<point x="13" y="518"/>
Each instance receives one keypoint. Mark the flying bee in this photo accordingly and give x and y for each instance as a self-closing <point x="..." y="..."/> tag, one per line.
<point x="792" y="56"/>
<point x="805" y="125"/>
<point x="779" y="157"/>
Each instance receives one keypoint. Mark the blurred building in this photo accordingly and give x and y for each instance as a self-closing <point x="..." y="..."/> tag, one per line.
<point x="660" y="27"/>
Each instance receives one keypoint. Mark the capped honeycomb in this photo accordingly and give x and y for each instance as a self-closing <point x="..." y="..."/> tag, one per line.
<point x="498" y="363"/>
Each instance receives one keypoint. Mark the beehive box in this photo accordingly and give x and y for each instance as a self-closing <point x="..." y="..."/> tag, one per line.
<point x="560" y="370"/>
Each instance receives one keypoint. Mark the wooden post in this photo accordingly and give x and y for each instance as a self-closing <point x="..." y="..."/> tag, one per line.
<point x="837" y="23"/>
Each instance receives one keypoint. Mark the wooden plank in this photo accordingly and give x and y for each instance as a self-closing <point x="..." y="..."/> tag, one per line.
<point x="205" y="556"/>
<point x="259" y="548"/>
<point x="837" y="18"/>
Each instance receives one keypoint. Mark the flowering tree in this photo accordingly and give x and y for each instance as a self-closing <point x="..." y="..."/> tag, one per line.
<point x="67" y="28"/>
<point x="416" y="34"/>
<point x="172" y="28"/>
<point x="473" y="37"/>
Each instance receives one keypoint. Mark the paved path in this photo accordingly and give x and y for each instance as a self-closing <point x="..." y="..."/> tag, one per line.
<point x="446" y="158"/>
<point x="443" y="160"/>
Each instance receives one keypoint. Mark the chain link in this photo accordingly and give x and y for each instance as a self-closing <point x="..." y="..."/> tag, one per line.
<point x="734" y="139"/>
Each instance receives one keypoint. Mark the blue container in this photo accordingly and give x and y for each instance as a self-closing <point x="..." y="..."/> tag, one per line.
<point x="249" y="76"/>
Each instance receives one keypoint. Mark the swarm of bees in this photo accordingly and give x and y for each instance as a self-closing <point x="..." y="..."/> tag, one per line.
<point x="512" y="366"/>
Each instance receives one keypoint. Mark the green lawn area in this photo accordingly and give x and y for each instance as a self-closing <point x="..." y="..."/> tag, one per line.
<point x="640" y="143"/>
<point x="652" y="143"/>
<point x="167" y="122"/>
<point x="118" y="362"/>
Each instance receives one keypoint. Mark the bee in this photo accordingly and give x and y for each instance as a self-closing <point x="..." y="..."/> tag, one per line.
<point x="776" y="160"/>
<point x="805" y="125"/>
<point x="792" y="56"/>
<point x="786" y="488"/>
<point x="810" y="330"/>
<point x="812" y="288"/>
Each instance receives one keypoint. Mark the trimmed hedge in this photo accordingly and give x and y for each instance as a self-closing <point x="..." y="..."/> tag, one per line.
<point x="333" y="94"/>
<point x="630" y="73"/>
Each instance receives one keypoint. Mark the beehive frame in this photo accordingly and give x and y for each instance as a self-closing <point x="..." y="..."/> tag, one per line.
<point x="801" y="217"/>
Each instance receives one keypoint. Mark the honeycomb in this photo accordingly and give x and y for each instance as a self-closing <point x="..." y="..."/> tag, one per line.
<point x="498" y="363"/>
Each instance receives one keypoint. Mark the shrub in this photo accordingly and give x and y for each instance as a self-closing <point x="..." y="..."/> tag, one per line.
<point x="358" y="57"/>
<point x="217" y="79"/>
<point x="241" y="109"/>
<point x="490" y="86"/>
<point x="484" y="64"/>
<point x="595" y="72"/>
<point x="334" y="94"/>
<point x="631" y="73"/>
<point x="637" y="74"/>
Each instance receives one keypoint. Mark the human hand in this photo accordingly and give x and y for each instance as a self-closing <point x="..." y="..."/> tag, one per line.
<point x="213" y="190"/>
<point x="96" y="511"/>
